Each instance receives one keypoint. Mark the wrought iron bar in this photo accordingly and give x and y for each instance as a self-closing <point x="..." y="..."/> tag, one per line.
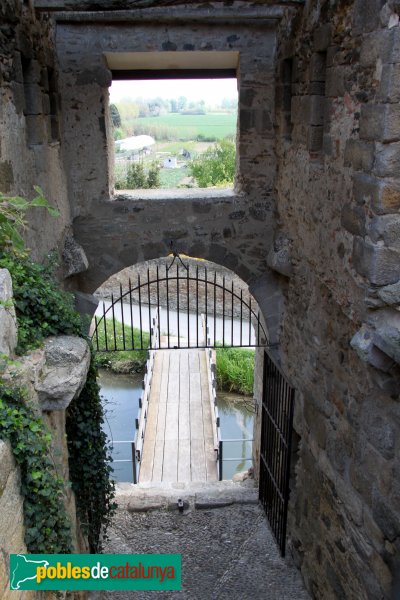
<point x="197" y="306"/>
<point x="122" y="317"/>
<point x="223" y="311"/>
<point x="188" y="312"/>
<point x="241" y="315"/>
<point x="140" y="313"/>
<point x="167" y="286"/>
<point x="158" y="309"/>
<point x="206" y="307"/>
<point x="232" y="316"/>
<point x="149" y="302"/>
<point x="96" y="332"/>
<point x="131" y="313"/>
<point x="105" y="325"/>
<point x="177" y="303"/>
<point x="250" y="321"/>
<point x="113" y="322"/>
<point x="215" y="308"/>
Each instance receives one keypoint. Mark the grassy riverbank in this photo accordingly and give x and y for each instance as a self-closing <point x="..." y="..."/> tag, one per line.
<point x="235" y="370"/>
<point x="235" y="366"/>
<point x="121" y="361"/>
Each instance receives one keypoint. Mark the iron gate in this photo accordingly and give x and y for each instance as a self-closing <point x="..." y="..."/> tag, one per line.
<point x="182" y="296"/>
<point x="276" y="434"/>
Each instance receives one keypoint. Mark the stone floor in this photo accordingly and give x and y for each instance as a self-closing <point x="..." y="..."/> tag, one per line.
<point x="228" y="552"/>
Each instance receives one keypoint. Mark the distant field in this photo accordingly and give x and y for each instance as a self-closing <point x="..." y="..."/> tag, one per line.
<point x="188" y="127"/>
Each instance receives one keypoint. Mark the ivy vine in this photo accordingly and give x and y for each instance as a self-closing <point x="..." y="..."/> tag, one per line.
<point x="47" y="527"/>
<point x="89" y="462"/>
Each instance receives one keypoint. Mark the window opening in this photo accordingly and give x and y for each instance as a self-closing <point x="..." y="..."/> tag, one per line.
<point x="174" y="133"/>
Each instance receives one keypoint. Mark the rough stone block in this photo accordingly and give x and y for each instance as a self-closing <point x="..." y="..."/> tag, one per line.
<point x="17" y="68"/>
<point x="390" y="294"/>
<point x="63" y="376"/>
<point x="301" y="109"/>
<point x="366" y="15"/>
<point x="389" y="88"/>
<point x="36" y="129"/>
<point x="74" y="258"/>
<point x="8" y="320"/>
<point x="363" y="344"/>
<point x="18" y="96"/>
<point x="353" y="219"/>
<point x="278" y="259"/>
<point x="382" y="196"/>
<point x="316" y="110"/>
<point x="315" y="138"/>
<point x="6" y="176"/>
<point x="359" y="155"/>
<point x="322" y="37"/>
<point x="386" y="228"/>
<point x="386" y="335"/>
<point x="317" y="68"/>
<point x="380" y="122"/>
<point x="32" y="72"/>
<point x="387" y="163"/>
<point x="379" y="45"/>
<point x="335" y="86"/>
<point x="378" y="264"/>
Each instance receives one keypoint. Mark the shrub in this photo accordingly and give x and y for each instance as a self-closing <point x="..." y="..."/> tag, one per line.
<point x="216" y="167"/>
<point x="42" y="308"/>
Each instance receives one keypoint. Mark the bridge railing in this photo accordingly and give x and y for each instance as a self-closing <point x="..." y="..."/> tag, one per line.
<point x="141" y="420"/>
<point x="212" y="387"/>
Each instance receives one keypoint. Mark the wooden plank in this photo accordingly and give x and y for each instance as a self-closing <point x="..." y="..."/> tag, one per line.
<point x="194" y="362"/>
<point x="210" y="460"/>
<point x="184" y="471"/>
<point x="184" y="398"/>
<point x="170" y="465"/>
<point x="158" y="460"/>
<point x="197" y="460"/>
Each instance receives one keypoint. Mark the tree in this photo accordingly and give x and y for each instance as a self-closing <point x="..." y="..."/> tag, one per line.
<point x="153" y="176"/>
<point x="216" y="167"/>
<point x="136" y="177"/>
<point x="115" y="116"/>
<point x="182" y="102"/>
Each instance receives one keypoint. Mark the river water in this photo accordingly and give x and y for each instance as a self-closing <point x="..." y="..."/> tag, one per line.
<point x="121" y="395"/>
<point x="231" y="332"/>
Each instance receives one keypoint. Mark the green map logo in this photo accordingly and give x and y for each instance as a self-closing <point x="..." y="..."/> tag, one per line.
<point x="95" y="571"/>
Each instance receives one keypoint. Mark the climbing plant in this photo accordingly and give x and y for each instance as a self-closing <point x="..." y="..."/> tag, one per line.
<point x="89" y="462"/>
<point x="47" y="527"/>
<point x="12" y="218"/>
<point x="42" y="308"/>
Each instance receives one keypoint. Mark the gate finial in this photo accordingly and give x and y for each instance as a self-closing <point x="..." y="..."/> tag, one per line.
<point x="175" y="254"/>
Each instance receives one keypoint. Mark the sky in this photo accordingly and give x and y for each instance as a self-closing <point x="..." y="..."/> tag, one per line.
<point x="212" y="91"/>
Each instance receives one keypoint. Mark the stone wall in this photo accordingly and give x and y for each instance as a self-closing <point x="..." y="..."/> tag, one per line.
<point x="30" y="148"/>
<point x="232" y="229"/>
<point x="338" y="209"/>
<point x="52" y="376"/>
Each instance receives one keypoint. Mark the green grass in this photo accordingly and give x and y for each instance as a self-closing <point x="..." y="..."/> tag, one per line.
<point x="187" y="127"/>
<point x="120" y="361"/>
<point x="235" y="370"/>
<point x="170" y="178"/>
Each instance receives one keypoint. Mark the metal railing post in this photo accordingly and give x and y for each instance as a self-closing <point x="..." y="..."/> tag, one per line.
<point x="220" y="458"/>
<point x="134" y="462"/>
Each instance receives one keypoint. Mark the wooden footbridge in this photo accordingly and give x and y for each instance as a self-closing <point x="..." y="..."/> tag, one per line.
<point x="177" y="436"/>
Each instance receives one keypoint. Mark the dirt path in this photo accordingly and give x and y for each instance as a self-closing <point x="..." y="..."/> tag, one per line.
<point x="228" y="552"/>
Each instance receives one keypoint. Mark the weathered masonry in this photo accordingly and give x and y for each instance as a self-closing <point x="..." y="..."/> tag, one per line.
<point x="312" y="225"/>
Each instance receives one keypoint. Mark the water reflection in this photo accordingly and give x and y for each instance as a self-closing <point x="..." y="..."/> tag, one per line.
<point x="236" y="422"/>
<point x="121" y="395"/>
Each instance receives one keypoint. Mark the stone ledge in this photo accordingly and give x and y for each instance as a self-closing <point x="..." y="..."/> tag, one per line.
<point x="175" y="194"/>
